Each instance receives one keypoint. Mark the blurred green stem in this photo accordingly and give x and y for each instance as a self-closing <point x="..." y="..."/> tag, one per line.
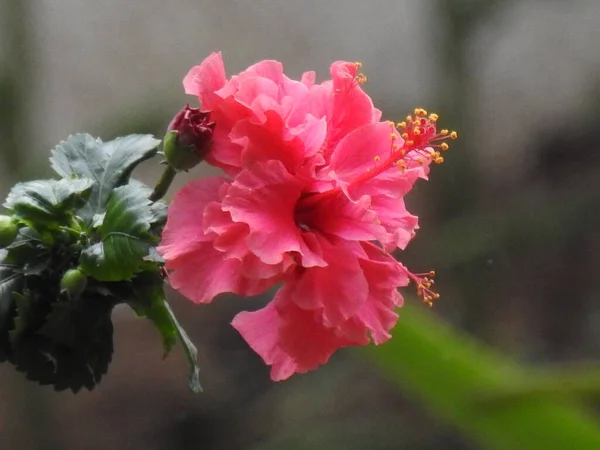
<point x="581" y="381"/>
<point x="448" y="371"/>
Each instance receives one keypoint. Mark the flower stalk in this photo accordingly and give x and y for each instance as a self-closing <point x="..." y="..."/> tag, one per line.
<point x="163" y="184"/>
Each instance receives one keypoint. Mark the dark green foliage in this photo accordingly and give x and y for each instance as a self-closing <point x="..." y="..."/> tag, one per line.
<point x="85" y="243"/>
<point x="125" y="237"/>
<point x="108" y="164"/>
<point x="48" y="203"/>
<point x="149" y="301"/>
<point x="8" y="231"/>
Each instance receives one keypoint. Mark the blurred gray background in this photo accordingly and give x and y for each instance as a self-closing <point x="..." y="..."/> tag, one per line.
<point x="510" y="221"/>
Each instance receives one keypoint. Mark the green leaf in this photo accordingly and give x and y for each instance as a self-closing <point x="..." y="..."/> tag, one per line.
<point x="29" y="252"/>
<point x="190" y="352"/>
<point x="109" y="164"/>
<point x="125" y="237"/>
<point x="159" y="208"/>
<point x="73" y="348"/>
<point x="27" y="235"/>
<point x="26" y="317"/>
<point x="154" y="256"/>
<point x="81" y="156"/>
<point x="10" y="281"/>
<point x="48" y="202"/>
<point x="159" y="212"/>
<point x="149" y="302"/>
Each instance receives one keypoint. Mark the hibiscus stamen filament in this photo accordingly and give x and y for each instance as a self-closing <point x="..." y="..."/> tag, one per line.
<point x="360" y="78"/>
<point x="419" y="143"/>
<point x="424" y="283"/>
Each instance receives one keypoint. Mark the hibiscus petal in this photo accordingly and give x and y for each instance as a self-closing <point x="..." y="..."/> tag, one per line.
<point x="184" y="226"/>
<point x="205" y="273"/>
<point x="205" y="79"/>
<point x="312" y="133"/>
<point x="399" y="224"/>
<point x="287" y="337"/>
<point x="335" y="292"/>
<point x="352" y="107"/>
<point x="266" y="141"/>
<point x="265" y="198"/>
<point x="252" y="88"/>
<point x="356" y="153"/>
<point x="347" y="219"/>
<point x="384" y="275"/>
<point x="270" y="69"/>
<point x="260" y="329"/>
<point x="308" y="78"/>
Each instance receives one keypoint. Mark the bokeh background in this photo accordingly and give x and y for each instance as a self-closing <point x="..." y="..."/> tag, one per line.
<point x="510" y="221"/>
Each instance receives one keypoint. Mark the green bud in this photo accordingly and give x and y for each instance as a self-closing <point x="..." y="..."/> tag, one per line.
<point x="8" y="231"/>
<point x="73" y="283"/>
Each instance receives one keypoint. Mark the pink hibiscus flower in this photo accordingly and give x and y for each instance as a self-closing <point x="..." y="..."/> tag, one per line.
<point x="299" y="116"/>
<point x="315" y="202"/>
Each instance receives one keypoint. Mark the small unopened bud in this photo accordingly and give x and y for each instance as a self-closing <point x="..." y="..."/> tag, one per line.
<point x="8" y="231"/>
<point x="73" y="283"/>
<point x="188" y="138"/>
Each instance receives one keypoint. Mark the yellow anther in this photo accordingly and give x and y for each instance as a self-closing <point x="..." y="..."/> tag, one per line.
<point x="444" y="132"/>
<point x="420" y="161"/>
<point x="401" y="125"/>
<point x="404" y="135"/>
<point x="453" y="135"/>
<point x="433" y="117"/>
<point x="417" y="131"/>
<point x="431" y="273"/>
<point x="376" y="159"/>
<point x="409" y="143"/>
<point x="358" y="64"/>
<point x="444" y="146"/>
<point x="409" y="119"/>
<point x="393" y="137"/>
<point x="438" y="160"/>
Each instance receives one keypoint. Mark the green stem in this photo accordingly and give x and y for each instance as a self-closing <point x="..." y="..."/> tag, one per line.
<point x="448" y="372"/>
<point x="163" y="184"/>
<point x="582" y="381"/>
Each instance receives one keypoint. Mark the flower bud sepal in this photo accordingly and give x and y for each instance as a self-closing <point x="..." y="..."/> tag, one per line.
<point x="188" y="138"/>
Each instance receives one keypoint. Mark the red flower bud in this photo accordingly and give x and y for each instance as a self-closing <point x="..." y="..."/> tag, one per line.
<point x="188" y="138"/>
